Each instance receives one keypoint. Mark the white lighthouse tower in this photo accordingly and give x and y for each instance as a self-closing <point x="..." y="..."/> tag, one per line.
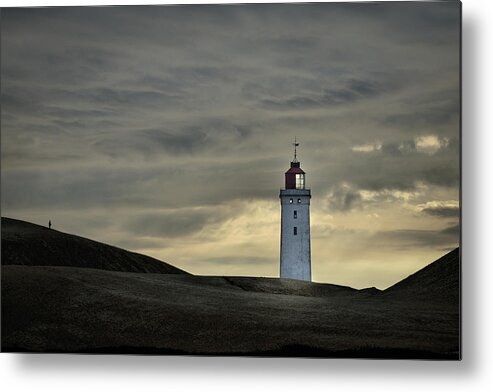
<point x="295" y="224"/>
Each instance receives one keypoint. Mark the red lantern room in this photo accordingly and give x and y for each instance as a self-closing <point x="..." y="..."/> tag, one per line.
<point x="295" y="177"/>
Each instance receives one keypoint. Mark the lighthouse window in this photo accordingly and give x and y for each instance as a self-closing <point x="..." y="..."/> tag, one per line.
<point x="295" y="230"/>
<point x="299" y="201"/>
<point x="300" y="181"/>
<point x="295" y="214"/>
<point x="290" y="201"/>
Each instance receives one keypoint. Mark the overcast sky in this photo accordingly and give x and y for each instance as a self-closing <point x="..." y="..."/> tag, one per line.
<point x="167" y="130"/>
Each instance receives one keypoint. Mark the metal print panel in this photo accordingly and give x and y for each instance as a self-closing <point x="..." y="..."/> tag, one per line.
<point x="259" y="180"/>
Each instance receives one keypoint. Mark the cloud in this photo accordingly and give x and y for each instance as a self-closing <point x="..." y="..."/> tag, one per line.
<point x="427" y="111"/>
<point x="178" y="222"/>
<point x="343" y="198"/>
<point x="452" y="230"/>
<point x="444" y="212"/>
<point x="391" y="195"/>
<point x="352" y="91"/>
<point x="430" y="144"/>
<point x="402" y="148"/>
<point x="123" y="184"/>
<point x="403" y="165"/>
<point x="442" y="209"/>
<point x="427" y="144"/>
<point x="149" y="142"/>
<point x="411" y="238"/>
<point x="367" y="147"/>
<point x="177" y="109"/>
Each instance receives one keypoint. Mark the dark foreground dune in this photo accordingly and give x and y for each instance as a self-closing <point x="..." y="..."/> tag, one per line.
<point x="437" y="282"/>
<point x="25" y="243"/>
<point x="73" y="309"/>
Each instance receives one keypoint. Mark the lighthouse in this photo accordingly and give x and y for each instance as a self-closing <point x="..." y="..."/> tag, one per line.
<point x="295" y="224"/>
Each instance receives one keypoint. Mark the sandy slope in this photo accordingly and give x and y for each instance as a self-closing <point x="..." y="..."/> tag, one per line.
<point x="74" y="309"/>
<point x="25" y="243"/>
<point x="438" y="281"/>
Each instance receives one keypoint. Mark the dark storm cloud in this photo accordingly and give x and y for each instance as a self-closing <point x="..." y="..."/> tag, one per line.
<point x="66" y="68"/>
<point x="149" y="142"/>
<point x="116" y="97"/>
<point x="176" y="223"/>
<point x="448" y="237"/>
<point x="20" y="102"/>
<point x="442" y="212"/>
<point x="394" y="149"/>
<point x="189" y="140"/>
<point x="49" y="104"/>
<point x="432" y="111"/>
<point x="197" y="183"/>
<point x="353" y="90"/>
<point x="442" y="176"/>
<point x="452" y="231"/>
<point x="420" y="118"/>
<point x="196" y="106"/>
<point x="74" y="188"/>
<point x="400" y="166"/>
<point x="342" y="198"/>
<point x="126" y="97"/>
<point x="173" y="185"/>
<point x="389" y="178"/>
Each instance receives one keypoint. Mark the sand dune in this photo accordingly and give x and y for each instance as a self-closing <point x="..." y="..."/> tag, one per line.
<point x="25" y="243"/>
<point x="438" y="281"/>
<point x="74" y="309"/>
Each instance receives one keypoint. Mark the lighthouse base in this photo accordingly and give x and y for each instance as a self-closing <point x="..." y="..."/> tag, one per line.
<point x="295" y="234"/>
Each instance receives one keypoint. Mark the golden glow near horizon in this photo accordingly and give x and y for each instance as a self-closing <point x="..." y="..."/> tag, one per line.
<point x="377" y="245"/>
<point x="167" y="131"/>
